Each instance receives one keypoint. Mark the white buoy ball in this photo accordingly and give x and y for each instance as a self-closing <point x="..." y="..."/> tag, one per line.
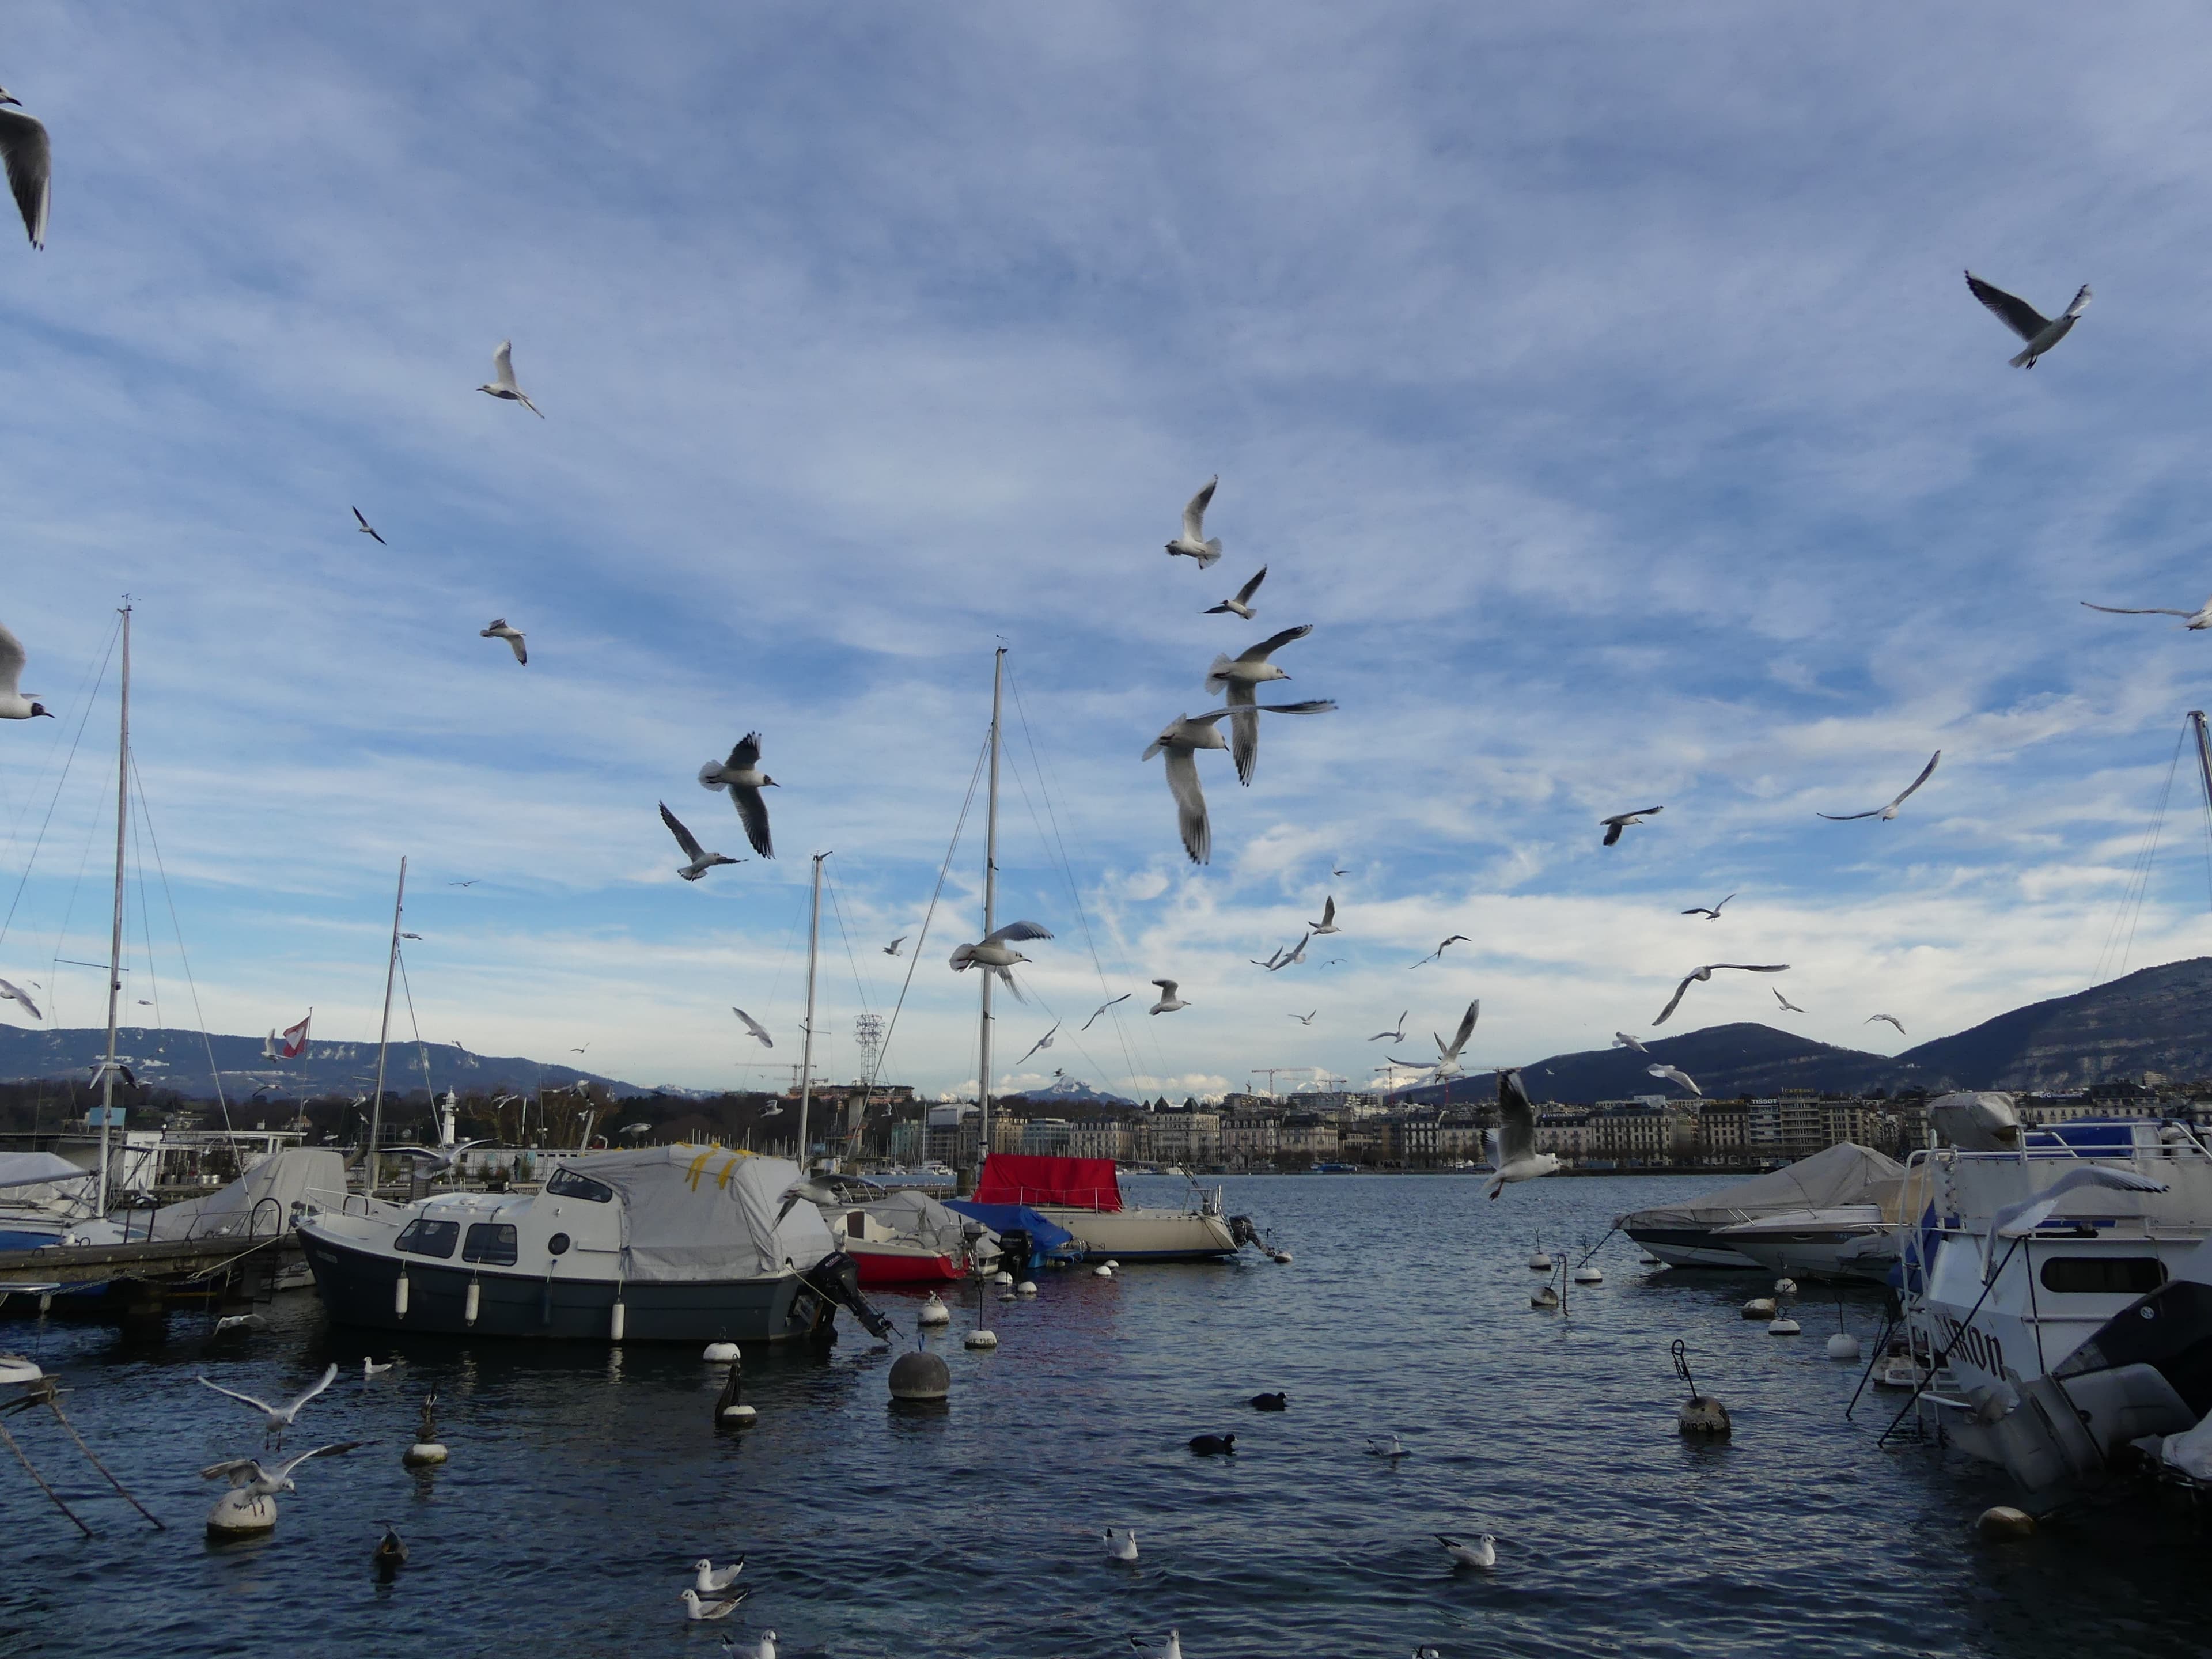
<point x="1539" y="1262"/>
<point x="1785" y="1287"/>
<point x="1103" y="1270"/>
<point x="1842" y="1345"/>
<point x="1111" y="1262"/>
<point x="739" y="1416"/>
<point x="1002" y="1277"/>
<point x="1782" y="1327"/>
<point x="1027" y="1287"/>
<point x="423" y="1454"/>
<point x="1705" y="1417"/>
<point x="2005" y="1523"/>
<point x="1588" y="1276"/>
<point x="719" y="1353"/>
<point x="1283" y="1257"/>
<point x="981" y="1340"/>
<point x="1544" y="1296"/>
<point x="240" y="1514"/>
<point x="1760" y="1307"/>
<point x="933" y="1312"/>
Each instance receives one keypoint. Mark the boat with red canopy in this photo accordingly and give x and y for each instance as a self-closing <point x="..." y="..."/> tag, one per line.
<point x="1084" y="1195"/>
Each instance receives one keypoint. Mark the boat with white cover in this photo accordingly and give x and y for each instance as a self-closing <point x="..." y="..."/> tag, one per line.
<point x="1690" y="1235"/>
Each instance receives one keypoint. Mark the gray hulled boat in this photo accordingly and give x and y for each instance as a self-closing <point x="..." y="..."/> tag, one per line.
<point x="1692" y="1234"/>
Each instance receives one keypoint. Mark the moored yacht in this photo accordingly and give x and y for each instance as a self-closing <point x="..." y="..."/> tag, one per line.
<point x="1084" y="1195"/>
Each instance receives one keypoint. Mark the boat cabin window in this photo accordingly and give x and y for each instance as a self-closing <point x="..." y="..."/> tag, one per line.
<point x="558" y="1243"/>
<point x="423" y="1236"/>
<point x="491" y="1242"/>
<point x="567" y="1183"/>
<point x="2104" y="1275"/>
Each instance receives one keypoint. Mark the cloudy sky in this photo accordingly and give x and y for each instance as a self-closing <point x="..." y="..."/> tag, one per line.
<point x="1599" y="382"/>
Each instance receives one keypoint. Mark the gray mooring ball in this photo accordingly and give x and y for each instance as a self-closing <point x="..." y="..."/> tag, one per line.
<point x="919" y="1375"/>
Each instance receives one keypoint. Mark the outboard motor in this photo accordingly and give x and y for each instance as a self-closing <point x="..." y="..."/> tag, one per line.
<point x="1017" y="1250"/>
<point x="836" y="1280"/>
<point x="1243" y="1230"/>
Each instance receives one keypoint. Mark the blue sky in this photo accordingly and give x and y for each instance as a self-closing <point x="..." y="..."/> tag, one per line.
<point x="1601" y="383"/>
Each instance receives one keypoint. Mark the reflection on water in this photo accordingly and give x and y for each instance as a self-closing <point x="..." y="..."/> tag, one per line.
<point x="584" y="1481"/>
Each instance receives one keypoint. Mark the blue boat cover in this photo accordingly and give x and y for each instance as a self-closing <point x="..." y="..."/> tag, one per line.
<point x="1052" y="1241"/>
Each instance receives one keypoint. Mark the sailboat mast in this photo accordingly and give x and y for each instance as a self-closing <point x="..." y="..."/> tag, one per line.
<point x="807" y="1053"/>
<point x="2203" y="754"/>
<point x="384" y="1033"/>
<point x="990" y="913"/>
<point x="115" y="937"/>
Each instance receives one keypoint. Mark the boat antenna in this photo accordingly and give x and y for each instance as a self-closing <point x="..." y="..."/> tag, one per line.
<point x="384" y="1033"/>
<point x="108" y="1066"/>
<point x="990" y="915"/>
<point x="807" y="1053"/>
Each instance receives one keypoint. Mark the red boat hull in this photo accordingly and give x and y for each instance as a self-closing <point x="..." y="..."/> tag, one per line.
<point x="890" y="1268"/>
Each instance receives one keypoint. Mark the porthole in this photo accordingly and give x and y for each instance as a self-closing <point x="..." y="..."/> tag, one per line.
<point x="558" y="1243"/>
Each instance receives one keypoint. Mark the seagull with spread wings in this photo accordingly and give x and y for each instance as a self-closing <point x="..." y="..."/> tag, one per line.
<point x="16" y="993"/>
<point x="369" y="529"/>
<point x="1456" y="938"/>
<point x="1513" y="1153"/>
<point x="994" y="953"/>
<point x="1620" y="820"/>
<point x="2199" y="619"/>
<point x="1887" y="812"/>
<point x="754" y="1028"/>
<point x="1676" y="1074"/>
<point x="28" y="154"/>
<point x="1180" y="742"/>
<point x="892" y="949"/>
<point x="1892" y="1018"/>
<point x="16" y="704"/>
<point x="1305" y="1019"/>
<point x="1397" y="1034"/>
<point x="502" y="379"/>
<point x="1242" y="604"/>
<point x="2041" y="332"/>
<point x="741" y="776"/>
<point x="1783" y="1000"/>
<point x="1044" y="1042"/>
<point x="274" y="1419"/>
<point x="1698" y="976"/>
<point x="1328" y="923"/>
<point x="1709" y="912"/>
<point x="1193" y="544"/>
<point x="701" y="860"/>
<point x="1103" y="1007"/>
<point x="1169" y="1002"/>
<point x="500" y="630"/>
<point x="260" y="1482"/>
<point x="1236" y="680"/>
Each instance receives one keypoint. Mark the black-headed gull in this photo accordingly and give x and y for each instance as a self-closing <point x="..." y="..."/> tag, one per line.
<point x="1121" y="1543"/>
<point x="1170" y="1649"/>
<point x="1397" y="1034"/>
<point x="276" y="1419"/>
<point x="16" y="993"/>
<point x="29" y="157"/>
<point x="2199" y="619"/>
<point x="1676" y="1074"/>
<point x="892" y="949"/>
<point x="369" y="529"/>
<point x="1892" y="1018"/>
<point x="1481" y="1553"/>
<point x="1328" y="923"/>
<point x="1103" y="1007"/>
<point x="1699" y="976"/>
<point x="741" y="776"/>
<point x="1620" y="820"/>
<point x="1181" y="741"/>
<point x="1456" y="938"/>
<point x="755" y="1028"/>
<point x="1306" y="1019"/>
<point x="15" y="705"/>
<point x="502" y="379"/>
<point x="1709" y="912"/>
<point x="1448" y="1052"/>
<point x="1783" y="1000"/>
<point x="1169" y="1002"/>
<point x="1887" y="812"/>
<point x="1385" y="1445"/>
<point x="1192" y="543"/>
<point x="2018" y="1220"/>
<point x="258" y="1481"/>
<point x="710" y="1580"/>
<point x="1513" y="1143"/>
<point x="500" y="630"/>
<point x="1242" y="604"/>
<point x="720" y="1607"/>
<point x="1622" y="1040"/>
<point x="2041" y="332"/>
<point x="995" y="953"/>
<point x="1236" y="679"/>
<point x="702" y="859"/>
<point x="1044" y="1042"/>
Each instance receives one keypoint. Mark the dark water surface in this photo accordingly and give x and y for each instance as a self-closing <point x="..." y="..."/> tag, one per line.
<point x="584" y="1481"/>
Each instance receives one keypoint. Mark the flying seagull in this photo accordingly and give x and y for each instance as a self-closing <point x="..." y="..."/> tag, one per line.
<point x="1448" y="1052"/>
<point x="1783" y="1000"/>
<point x="995" y="953"/>
<point x="741" y="776"/>
<point x="500" y="630"/>
<point x="502" y="379"/>
<point x="1709" y="912"/>
<point x="1242" y="604"/>
<point x="15" y="705"/>
<point x="2199" y="619"/>
<point x="1044" y="1042"/>
<point x="892" y="949"/>
<point x="1274" y="960"/>
<point x="1328" y="923"/>
<point x="260" y="1482"/>
<point x="276" y="1419"/>
<point x="2041" y="332"/>
<point x="1890" y="811"/>
<point x="16" y="993"/>
<point x="1620" y="820"/>
<point x="1169" y="1001"/>
<point x="369" y="529"/>
<point x="702" y="859"/>
<point x="755" y="1028"/>
<point x="1297" y="954"/>
<point x="1305" y="1019"/>
<point x="29" y="158"/>
<point x="1237" y="679"/>
<point x="1892" y="1018"/>
<point x="1513" y="1151"/>
<point x="1622" y="1040"/>
<point x="1396" y="1036"/>
<point x="1456" y="938"/>
<point x="2018" y="1220"/>
<point x="1103" y="1007"/>
<point x="1698" y="976"/>
<point x="1192" y="543"/>
<point x="1676" y="1074"/>
<point x="470" y="882"/>
<point x="1182" y="740"/>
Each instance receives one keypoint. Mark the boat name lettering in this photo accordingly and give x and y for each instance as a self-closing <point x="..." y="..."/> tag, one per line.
<point x="1981" y="1350"/>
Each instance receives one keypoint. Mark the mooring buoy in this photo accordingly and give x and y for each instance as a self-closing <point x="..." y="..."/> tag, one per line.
<point x="241" y="1514"/>
<point x="919" y="1374"/>
<point x="1027" y="1287"/>
<point x="1586" y="1274"/>
<point x="1760" y="1307"/>
<point x="1842" y="1345"/>
<point x="719" y="1353"/>
<point x="933" y="1312"/>
<point x="2005" y="1523"/>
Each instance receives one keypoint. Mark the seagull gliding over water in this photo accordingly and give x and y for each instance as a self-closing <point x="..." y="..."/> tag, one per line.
<point x="1513" y="1143"/>
<point x="741" y="776"/>
<point x="1887" y="812"/>
<point x="1699" y="976"/>
<point x="1620" y="820"/>
<point x="277" y="1418"/>
<point x="2041" y="332"/>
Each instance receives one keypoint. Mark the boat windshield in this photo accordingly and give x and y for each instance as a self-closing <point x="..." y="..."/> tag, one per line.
<point x="423" y="1236"/>
<point x="567" y="1183"/>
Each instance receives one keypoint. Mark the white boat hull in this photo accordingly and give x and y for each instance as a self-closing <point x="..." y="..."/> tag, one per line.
<point x="1144" y="1235"/>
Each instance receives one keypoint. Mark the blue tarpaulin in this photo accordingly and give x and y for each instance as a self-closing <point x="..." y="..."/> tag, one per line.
<point x="1048" y="1240"/>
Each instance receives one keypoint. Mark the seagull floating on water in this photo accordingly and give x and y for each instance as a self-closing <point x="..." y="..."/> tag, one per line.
<point x="1237" y="680"/>
<point x="702" y="859"/>
<point x="755" y="1028"/>
<point x="276" y="1419"/>
<point x="1699" y="976"/>
<point x="367" y="529"/>
<point x="2199" y="619"/>
<point x="1385" y="1446"/>
<point x="1180" y="742"/>
<point x="1192" y="543"/>
<point x="502" y="379"/>
<point x="1482" y="1553"/>
<point x="500" y="630"/>
<point x="16" y="993"/>
<point x="369" y="1367"/>
<point x="711" y="1580"/>
<point x="2041" y="332"/>
<point x="721" y="1608"/>
<point x="741" y="776"/>
<point x="1887" y="812"/>
<point x="29" y="153"/>
<point x="1121" y="1543"/>
<point x="1513" y="1142"/>
<point x="1620" y="820"/>
<point x="1170" y="1649"/>
<point x="763" y="1649"/>
<point x="994" y="953"/>
<point x="1169" y="1002"/>
<point x="1328" y="923"/>
<point x="1892" y="1018"/>
<point x="1456" y="938"/>
<point x="15" y="705"/>
<point x="1709" y="912"/>
<point x="390" y="1551"/>
<point x="1676" y="1074"/>
<point x="1783" y="1000"/>
<point x="1242" y="604"/>
<point x="1103" y="1007"/>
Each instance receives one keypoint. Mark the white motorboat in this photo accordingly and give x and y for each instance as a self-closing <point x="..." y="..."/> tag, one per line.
<point x="1084" y="1195"/>
<point x="1688" y="1235"/>
<point x="1849" y="1241"/>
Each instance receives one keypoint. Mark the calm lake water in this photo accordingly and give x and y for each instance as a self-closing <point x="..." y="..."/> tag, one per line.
<point x="585" y="1481"/>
